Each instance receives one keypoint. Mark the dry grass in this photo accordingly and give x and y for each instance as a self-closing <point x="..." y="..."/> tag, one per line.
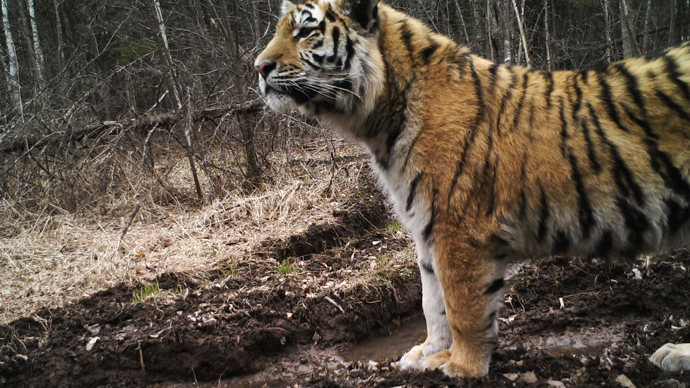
<point x="52" y="260"/>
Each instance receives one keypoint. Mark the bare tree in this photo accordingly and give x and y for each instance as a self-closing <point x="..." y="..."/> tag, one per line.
<point x="12" y="72"/>
<point x="546" y="32"/>
<point x="626" y="31"/>
<point x="645" y="39"/>
<point x="523" y="41"/>
<point x="507" y="31"/>
<point x="38" y="53"/>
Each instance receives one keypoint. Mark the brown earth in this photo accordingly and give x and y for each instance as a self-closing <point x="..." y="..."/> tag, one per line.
<point x="339" y="284"/>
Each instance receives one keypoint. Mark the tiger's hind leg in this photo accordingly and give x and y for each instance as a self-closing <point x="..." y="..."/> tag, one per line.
<point x="438" y="332"/>
<point x="672" y="358"/>
<point x="472" y="282"/>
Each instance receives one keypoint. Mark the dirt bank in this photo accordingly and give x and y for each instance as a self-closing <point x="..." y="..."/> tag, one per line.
<point x="290" y="311"/>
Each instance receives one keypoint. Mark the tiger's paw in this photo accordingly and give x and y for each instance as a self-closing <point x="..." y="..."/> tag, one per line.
<point x="437" y="360"/>
<point x="412" y="359"/>
<point x="445" y="362"/>
<point x="672" y="357"/>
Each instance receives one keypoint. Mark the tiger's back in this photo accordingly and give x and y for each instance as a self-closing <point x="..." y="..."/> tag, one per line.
<point x="591" y="163"/>
<point x="486" y="163"/>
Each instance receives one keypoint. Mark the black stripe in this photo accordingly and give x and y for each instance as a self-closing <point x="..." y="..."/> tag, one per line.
<point x="330" y="15"/>
<point x="432" y="219"/>
<point x="549" y="88"/>
<point x="636" y="223"/>
<point x="591" y="153"/>
<point x="305" y="12"/>
<point x="413" y="191"/>
<point x="344" y="84"/>
<point x="523" y="184"/>
<point x="492" y="74"/>
<point x="677" y="216"/>
<point x="428" y="51"/>
<point x="531" y="115"/>
<point x="473" y="130"/>
<point x="492" y="192"/>
<point x="561" y="242"/>
<point x="317" y="44"/>
<point x="605" y="244"/>
<point x="309" y="20"/>
<point x="410" y="149"/>
<point x="322" y="26"/>
<point x="585" y="76"/>
<point x="506" y="96"/>
<point x="428" y="268"/>
<point x="621" y="173"/>
<point x="310" y="63"/>
<point x="633" y="87"/>
<point x="543" y="216"/>
<point x="407" y="38"/>
<point x="578" y="101"/>
<point x="610" y="107"/>
<point x="584" y="207"/>
<point x="310" y="6"/>
<point x="391" y="139"/>
<point x="674" y="75"/>
<point x="564" y="129"/>
<point x="318" y="58"/>
<point x="335" y="33"/>
<point x="495" y="286"/>
<point x="673" y="105"/>
<point x="516" y="120"/>
<point x="350" y="50"/>
<point x="661" y="162"/>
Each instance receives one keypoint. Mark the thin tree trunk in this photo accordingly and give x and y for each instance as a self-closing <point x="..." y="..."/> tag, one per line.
<point x="672" y="25"/>
<point x="13" y="64"/>
<point x="548" y="38"/>
<point x="37" y="45"/>
<point x="522" y="33"/>
<point x="462" y="19"/>
<point x="26" y="32"/>
<point x="645" y="39"/>
<point x="58" y="35"/>
<point x="626" y="34"/>
<point x="183" y="107"/>
<point x="609" y="42"/>
<point x="507" y="32"/>
<point x="167" y="57"/>
<point x="476" y="30"/>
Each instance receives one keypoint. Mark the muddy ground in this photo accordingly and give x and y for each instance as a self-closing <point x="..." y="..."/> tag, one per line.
<point x="298" y="312"/>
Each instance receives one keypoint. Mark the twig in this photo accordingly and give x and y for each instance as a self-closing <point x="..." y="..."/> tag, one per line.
<point x="141" y="358"/>
<point x="131" y="218"/>
<point x="331" y="301"/>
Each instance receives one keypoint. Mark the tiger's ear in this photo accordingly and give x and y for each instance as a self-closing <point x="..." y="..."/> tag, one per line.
<point x="364" y="12"/>
<point x="286" y="7"/>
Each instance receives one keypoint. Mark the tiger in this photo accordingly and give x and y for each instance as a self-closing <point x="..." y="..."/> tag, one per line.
<point x="487" y="163"/>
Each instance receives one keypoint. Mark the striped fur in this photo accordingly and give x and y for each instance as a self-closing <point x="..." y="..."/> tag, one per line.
<point x="487" y="163"/>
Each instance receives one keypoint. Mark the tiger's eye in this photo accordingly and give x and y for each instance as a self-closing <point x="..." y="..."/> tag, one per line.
<point x="305" y="32"/>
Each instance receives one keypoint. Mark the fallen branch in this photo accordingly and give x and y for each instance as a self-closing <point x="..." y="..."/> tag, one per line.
<point x="16" y="140"/>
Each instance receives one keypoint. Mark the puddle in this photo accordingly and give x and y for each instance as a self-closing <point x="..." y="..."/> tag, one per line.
<point x="586" y="341"/>
<point x="410" y="333"/>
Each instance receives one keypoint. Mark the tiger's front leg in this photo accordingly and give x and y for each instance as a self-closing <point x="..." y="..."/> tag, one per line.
<point x="472" y="284"/>
<point x="438" y="332"/>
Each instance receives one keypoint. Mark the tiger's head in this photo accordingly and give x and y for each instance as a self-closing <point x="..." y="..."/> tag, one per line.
<point x="324" y="59"/>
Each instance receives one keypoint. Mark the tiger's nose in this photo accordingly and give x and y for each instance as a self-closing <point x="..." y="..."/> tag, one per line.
<point x="265" y="68"/>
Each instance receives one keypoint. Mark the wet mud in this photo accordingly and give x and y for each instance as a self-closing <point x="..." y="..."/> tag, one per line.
<point x="565" y="322"/>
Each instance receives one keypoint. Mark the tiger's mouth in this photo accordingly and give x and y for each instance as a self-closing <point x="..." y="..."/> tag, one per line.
<point x="300" y="95"/>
